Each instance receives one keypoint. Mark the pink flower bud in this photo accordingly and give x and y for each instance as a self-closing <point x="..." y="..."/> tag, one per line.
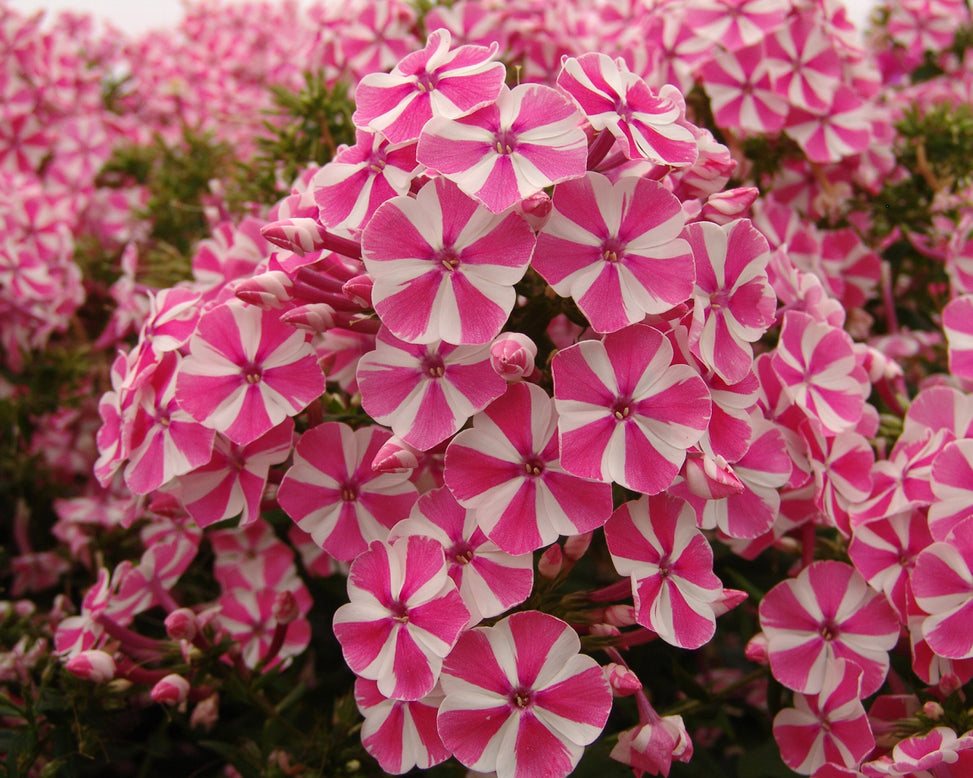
<point x="206" y="713"/>
<point x="512" y="355"/>
<point x="949" y="683"/>
<point x="622" y="680"/>
<point x="710" y="477"/>
<point x="359" y="290"/>
<point x="604" y="631"/>
<point x="756" y="650"/>
<point x="723" y="207"/>
<point x="171" y="690"/>
<point x="266" y="290"/>
<point x="299" y="235"/>
<point x="313" y="317"/>
<point x="575" y="546"/>
<point x="551" y="561"/>
<point x="620" y="615"/>
<point x="395" y="456"/>
<point x="933" y="711"/>
<point x="653" y="746"/>
<point x="537" y="209"/>
<point x="92" y="665"/>
<point x="286" y="609"/>
<point x="181" y="624"/>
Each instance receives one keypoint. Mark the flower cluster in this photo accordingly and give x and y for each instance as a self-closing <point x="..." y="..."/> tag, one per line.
<point x="588" y="325"/>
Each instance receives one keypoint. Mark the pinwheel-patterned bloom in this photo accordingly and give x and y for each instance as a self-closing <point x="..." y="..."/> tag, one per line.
<point x="804" y="64"/>
<point x="333" y="494"/>
<point x="246" y="372"/>
<point x="432" y="81"/>
<point x="233" y="481"/>
<point x="503" y="153"/>
<point x="615" y="99"/>
<point x="952" y="484"/>
<point x="818" y="369"/>
<point x="399" y="734"/>
<point x="840" y="132"/>
<point x="830" y="728"/>
<point x="943" y="586"/>
<point x="489" y="580"/>
<point x="626" y="412"/>
<point x="741" y="92"/>
<point x="444" y="268"/>
<point x="827" y="613"/>
<point x="506" y="470"/>
<point x="615" y="248"/>
<point x="404" y="616"/>
<point x="733" y="303"/>
<point x="655" y="540"/>
<point x="520" y="699"/>
<point x="919" y="756"/>
<point x="425" y="393"/>
<point x="359" y="179"/>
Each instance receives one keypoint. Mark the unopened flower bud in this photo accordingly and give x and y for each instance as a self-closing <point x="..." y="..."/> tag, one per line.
<point x="551" y="561"/>
<point x="933" y="711"/>
<point x="604" y="631"/>
<point x="92" y="665"/>
<point x="313" y="317"/>
<point x="206" y="713"/>
<point x="181" y="624"/>
<point x="710" y="477"/>
<point x="286" y="609"/>
<point x="171" y="690"/>
<point x="620" y="615"/>
<point x="537" y="209"/>
<point x="623" y="681"/>
<point x="512" y="355"/>
<point x="395" y="456"/>
<point x="266" y="290"/>
<point x="949" y="683"/>
<point x="359" y="290"/>
<point x="757" y="649"/>
<point x="723" y="207"/>
<point x="575" y="546"/>
<point x="299" y="234"/>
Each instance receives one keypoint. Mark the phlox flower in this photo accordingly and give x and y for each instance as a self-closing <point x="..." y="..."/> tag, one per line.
<point x="617" y="100"/>
<point x="434" y="81"/>
<point x="626" y="412"/>
<point x="741" y="92"/>
<point x="332" y="492"/>
<point x="400" y="734"/>
<point x="519" y="698"/>
<point x="506" y="470"/>
<point x="246" y="372"/>
<point x="733" y="301"/>
<point x="652" y="746"/>
<point x="232" y="482"/>
<point x="528" y="139"/>
<point x="942" y="583"/>
<point x="952" y="484"/>
<point x="825" y="614"/>
<point x="734" y="23"/>
<point x="804" y="63"/>
<point x="358" y="179"/>
<point x="616" y="249"/>
<point x="426" y="392"/>
<point x="489" y="580"/>
<point x="919" y="756"/>
<point x="444" y="267"/>
<point x="819" y="372"/>
<point x="958" y="326"/>
<point x="656" y="542"/>
<point x="247" y="616"/>
<point x="828" y="728"/>
<point x="252" y="557"/>
<point x="404" y="616"/>
<point x="844" y="130"/>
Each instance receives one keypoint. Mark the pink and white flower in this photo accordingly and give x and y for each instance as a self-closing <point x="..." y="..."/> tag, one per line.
<point x="656" y="542"/>
<point x="506" y="470"/>
<point x="626" y="412"/>
<point x="615" y="249"/>
<point x="404" y="616"/>
<point x="519" y="698"/>
<point x="825" y="614"/>
<point x="443" y="267"/>
<point x="530" y="138"/>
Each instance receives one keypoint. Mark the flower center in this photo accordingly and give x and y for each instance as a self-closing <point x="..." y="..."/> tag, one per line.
<point x="612" y="250"/>
<point x="829" y="631"/>
<point x="349" y="492"/>
<point x="533" y="466"/>
<point x="399" y="612"/>
<point x="461" y="553"/>
<point x="449" y="258"/>
<point x="622" y="408"/>
<point x="432" y="366"/>
<point x="506" y="143"/>
<point x="252" y="374"/>
<point x="521" y="698"/>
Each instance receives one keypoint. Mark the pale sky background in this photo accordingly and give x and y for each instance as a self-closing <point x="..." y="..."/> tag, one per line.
<point x="140" y="15"/>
